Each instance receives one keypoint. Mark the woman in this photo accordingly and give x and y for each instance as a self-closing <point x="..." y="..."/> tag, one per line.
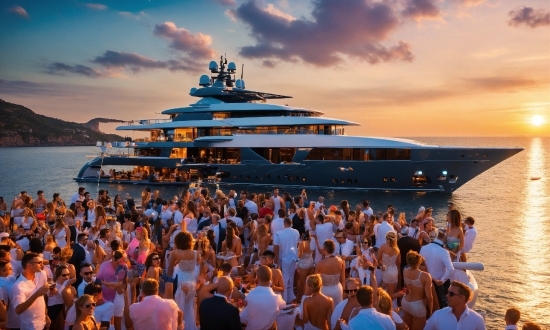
<point x="28" y="221"/>
<point x="145" y="198"/>
<point x="390" y="259"/>
<point x="85" y="307"/>
<point x="190" y="217"/>
<point x="59" y="205"/>
<point x="305" y="264"/>
<point x="208" y="257"/>
<point x="119" y="211"/>
<point x="90" y="215"/>
<point x="455" y="234"/>
<point x="423" y="236"/>
<point x="333" y="272"/>
<point x="419" y="295"/>
<point x="316" y="309"/>
<point x="181" y="264"/>
<point x="62" y="260"/>
<point x="60" y="298"/>
<point x="384" y="306"/>
<point x="232" y="246"/>
<point x="80" y="215"/>
<point x="128" y="233"/>
<point x="50" y="214"/>
<point x="152" y="266"/>
<point x="344" y="208"/>
<point x="61" y="233"/>
<point x="211" y="236"/>
<point x="48" y="248"/>
<point x="70" y="222"/>
<point x="100" y="217"/>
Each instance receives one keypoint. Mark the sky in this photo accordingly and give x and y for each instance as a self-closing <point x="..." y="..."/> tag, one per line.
<point x="400" y="68"/>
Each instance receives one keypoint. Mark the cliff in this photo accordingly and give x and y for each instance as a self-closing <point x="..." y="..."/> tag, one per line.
<point x="22" y="127"/>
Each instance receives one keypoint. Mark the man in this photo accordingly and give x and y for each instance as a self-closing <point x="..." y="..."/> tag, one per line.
<point x="79" y="254"/>
<point x="344" y="247"/>
<point x="40" y="203"/>
<point x="87" y="275"/>
<point x="278" y="202"/>
<point x="381" y="231"/>
<point x="177" y="215"/>
<point x="204" y="220"/>
<point x="512" y="318"/>
<point x="470" y="234"/>
<point x="28" y="293"/>
<point x="154" y="312"/>
<point x="262" y="305"/>
<point x="458" y="315"/>
<point x="219" y="232"/>
<point x="7" y="280"/>
<point x="78" y="196"/>
<point x="413" y="229"/>
<point x="323" y="231"/>
<point x="366" y="209"/>
<point x="348" y="304"/>
<point x="249" y="203"/>
<point x="216" y="312"/>
<point x="112" y="274"/>
<point x="278" y="222"/>
<point x="267" y="259"/>
<point x="285" y="247"/>
<point x="440" y="267"/>
<point x="337" y="223"/>
<point x="406" y="244"/>
<point x="298" y="221"/>
<point x="368" y="317"/>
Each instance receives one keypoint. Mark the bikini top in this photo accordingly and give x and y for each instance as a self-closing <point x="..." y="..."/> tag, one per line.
<point x="415" y="282"/>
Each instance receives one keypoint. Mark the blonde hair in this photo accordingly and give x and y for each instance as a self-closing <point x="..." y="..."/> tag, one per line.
<point x="66" y="253"/>
<point x="391" y="237"/>
<point x="384" y="302"/>
<point x="262" y="230"/>
<point x="80" y="302"/>
<point x="314" y="282"/>
<point x="402" y="219"/>
<point x="69" y="213"/>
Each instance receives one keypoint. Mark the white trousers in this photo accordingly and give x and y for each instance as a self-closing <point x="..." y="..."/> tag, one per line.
<point x="288" y="269"/>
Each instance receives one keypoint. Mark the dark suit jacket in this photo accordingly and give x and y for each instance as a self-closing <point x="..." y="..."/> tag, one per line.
<point x="203" y="224"/>
<point x="220" y="239"/>
<point x="217" y="314"/>
<point x="299" y="224"/>
<point x="78" y="257"/>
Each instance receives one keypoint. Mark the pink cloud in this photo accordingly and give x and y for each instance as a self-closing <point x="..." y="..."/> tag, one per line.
<point x="96" y="6"/>
<point x="195" y="45"/>
<point x="421" y="9"/>
<point x="19" y="11"/>
<point x="470" y="3"/>
<point x="352" y="28"/>
<point x="529" y="17"/>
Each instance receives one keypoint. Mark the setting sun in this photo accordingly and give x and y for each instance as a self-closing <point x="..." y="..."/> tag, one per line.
<point x="537" y="120"/>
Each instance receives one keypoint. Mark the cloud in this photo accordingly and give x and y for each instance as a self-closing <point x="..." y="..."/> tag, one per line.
<point x="352" y="28"/>
<point x="470" y="3"/>
<point x="96" y="6"/>
<point x="19" y="11"/>
<point x="501" y="84"/>
<point x="421" y="9"/>
<point x="231" y="14"/>
<point x="136" y="63"/>
<point x="196" y="46"/>
<point x="58" y="68"/>
<point x="22" y="88"/>
<point x="137" y="16"/>
<point x="226" y="2"/>
<point x="529" y="17"/>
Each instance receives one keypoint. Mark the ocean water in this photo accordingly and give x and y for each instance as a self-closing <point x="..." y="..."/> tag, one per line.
<point x="512" y="212"/>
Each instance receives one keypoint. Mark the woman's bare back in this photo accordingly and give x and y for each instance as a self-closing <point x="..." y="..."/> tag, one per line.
<point x="319" y="309"/>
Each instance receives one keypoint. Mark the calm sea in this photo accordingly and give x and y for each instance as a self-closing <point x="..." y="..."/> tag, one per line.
<point x="512" y="212"/>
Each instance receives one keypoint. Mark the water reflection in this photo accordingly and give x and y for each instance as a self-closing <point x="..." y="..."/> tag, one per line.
<point x="533" y="234"/>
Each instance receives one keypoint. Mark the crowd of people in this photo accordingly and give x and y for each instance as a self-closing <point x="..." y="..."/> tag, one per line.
<point x="229" y="261"/>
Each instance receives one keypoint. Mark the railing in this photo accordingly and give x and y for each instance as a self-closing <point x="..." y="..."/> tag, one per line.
<point x="149" y="121"/>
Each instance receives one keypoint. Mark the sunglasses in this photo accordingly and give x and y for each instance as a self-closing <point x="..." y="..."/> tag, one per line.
<point x="452" y="294"/>
<point x="350" y="291"/>
<point x="364" y="242"/>
<point x="155" y="258"/>
<point x="90" y="305"/>
<point x="65" y="275"/>
<point x="87" y="273"/>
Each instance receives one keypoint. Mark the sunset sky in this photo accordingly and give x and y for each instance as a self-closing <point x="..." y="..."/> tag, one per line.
<point x="398" y="67"/>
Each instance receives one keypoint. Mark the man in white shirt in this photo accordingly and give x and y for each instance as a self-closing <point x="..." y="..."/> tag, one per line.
<point x="285" y="247"/>
<point x="278" y="222"/>
<point x="323" y="231"/>
<point x="78" y="195"/>
<point x="166" y="213"/>
<point x="440" y="267"/>
<point x="458" y="315"/>
<point x="154" y="312"/>
<point x="249" y="203"/>
<point x="366" y="209"/>
<point x="320" y="202"/>
<point x="343" y="246"/>
<point x="87" y="274"/>
<point x="511" y="318"/>
<point x="382" y="230"/>
<point x="28" y="293"/>
<point x="178" y="216"/>
<point x="413" y="229"/>
<point x="262" y="305"/>
<point x="277" y="201"/>
<point x="469" y="235"/>
<point x="368" y="317"/>
<point x="231" y="214"/>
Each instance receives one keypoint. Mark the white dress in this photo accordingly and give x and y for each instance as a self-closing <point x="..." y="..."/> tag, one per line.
<point x="185" y="271"/>
<point x="332" y="287"/>
<point x="61" y="238"/>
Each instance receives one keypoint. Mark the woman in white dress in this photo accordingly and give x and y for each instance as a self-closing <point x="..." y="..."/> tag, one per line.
<point x="61" y="233"/>
<point x="181" y="265"/>
<point x="333" y="273"/>
<point x="390" y="259"/>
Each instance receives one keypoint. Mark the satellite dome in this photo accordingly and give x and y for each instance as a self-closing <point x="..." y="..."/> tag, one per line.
<point x="231" y="67"/>
<point x="240" y="84"/>
<point x="213" y="66"/>
<point x="204" y="80"/>
<point x="192" y="91"/>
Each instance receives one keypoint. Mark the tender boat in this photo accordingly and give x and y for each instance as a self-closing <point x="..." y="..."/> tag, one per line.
<point x="232" y="135"/>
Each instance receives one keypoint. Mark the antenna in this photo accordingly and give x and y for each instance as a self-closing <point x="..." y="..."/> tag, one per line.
<point x="242" y="71"/>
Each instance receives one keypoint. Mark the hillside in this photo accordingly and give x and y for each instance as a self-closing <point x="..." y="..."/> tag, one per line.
<point x="22" y="127"/>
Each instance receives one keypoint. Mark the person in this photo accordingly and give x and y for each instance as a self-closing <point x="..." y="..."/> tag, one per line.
<point x="61" y="233"/>
<point x="181" y="264"/>
<point x="343" y="310"/>
<point x="278" y="223"/>
<point x="316" y="308"/>
<point x="531" y="326"/>
<point x="27" y="294"/>
<point x="79" y="254"/>
<point x="381" y="231"/>
<point x="154" y="312"/>
<point x="84" y="308"/>
<point x="511" y="318"/>
<point x="87" y="275"/>
<point x="61" y="296"/>
<point x="384" y="306"/>
<point x="457" y="315"/>
<point x="368" y="317"/>
<point x="390" y="259"/>
<point x="305" y="264"/>
<point x="470" y="234"/>
<point x="232" y="245"/>
<point x="405" y="244"/>
<point x="455" y="234"/>
<point x="219" y="232"/>
<point x="333" y="273"/>
<point x="113" y="276"/>
<point x="217" y="312"/>
<point x="262" y="305"/>
<point x="285" y="244"/>
<point x="323" y="231"/>
<point x="419" y="287"/>
<point x="440" y="267"/>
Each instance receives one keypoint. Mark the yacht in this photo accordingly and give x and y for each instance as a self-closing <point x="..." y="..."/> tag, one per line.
<point x="233" y="135"/>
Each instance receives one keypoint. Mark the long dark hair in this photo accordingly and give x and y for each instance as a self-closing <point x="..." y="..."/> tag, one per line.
<point x="149" y="260"/>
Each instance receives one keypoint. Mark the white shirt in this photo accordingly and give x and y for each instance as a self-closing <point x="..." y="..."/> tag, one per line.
<point x="91" y="216"/>
<point x="368" y="212"/>
<point x="381" y="232"/>
<point x="346" y="248"/>
<point x="337" y="312"/>
<point x="238" y="221"/>
<point x="277" y="201"/>
<point x="469" y="238"/>
<point x="263" y="306"/>
<point x="102" y="313"/>
<point x="324" y="232"/>
<point x="438" y="261"/>
<point x="413" y="232"/>
<point x="511" y="327"/>
<point x="444" y="319"/>
<point x="76" y="197"/>
<point x="251" y="206"/>
<point x="154" y="313"/>
<point x="80" y="289"/>
<point x="33" y="317"/>
<point x="369" y="318"/>
<point x="165" y="215"/>
<point x="287" y="240"/>
<point x="178" y="217"/>
<point x="277" y="225"/>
